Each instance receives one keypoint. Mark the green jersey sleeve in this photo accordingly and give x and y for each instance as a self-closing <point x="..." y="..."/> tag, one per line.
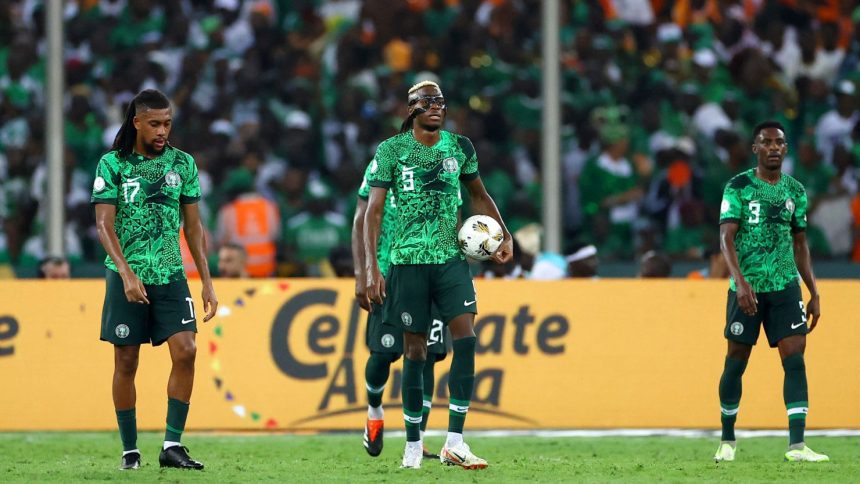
<point x="364" y="189"/>
<point x="380" y="173"/>
<point x="107" y="179"/>
<point x="470" y="167"/>
<point x="798" y="218"/>
<point x="730" y="207"/>
<point x="191" y="185"/>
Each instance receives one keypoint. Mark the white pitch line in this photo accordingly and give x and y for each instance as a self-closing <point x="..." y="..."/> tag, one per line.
<point x="688" y="433"/>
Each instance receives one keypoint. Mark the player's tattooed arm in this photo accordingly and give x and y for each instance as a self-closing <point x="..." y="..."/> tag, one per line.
<point x="194" y="234"/>
<point x="132" y="285"/>
<point x="804" y="267"/>
<point x="746" y="295"/>
<point x="482" y="203"/>
<point x="372" y="225"/>
<point x="358" y="254"/>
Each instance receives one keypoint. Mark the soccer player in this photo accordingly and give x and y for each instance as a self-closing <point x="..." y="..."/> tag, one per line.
<point x="141" y="187"/>
<point x="384" y="338"/>
<point x="423" y="166"/>
<point x="763" y="239"/>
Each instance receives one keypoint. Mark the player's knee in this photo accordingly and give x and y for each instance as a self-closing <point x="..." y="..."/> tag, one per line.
<point x="415" y="352"/>
<point x="792" y="345"/>
<point x="739" y="351"/>
<point x="125" y="362"/>
<point x="185" y="354"/>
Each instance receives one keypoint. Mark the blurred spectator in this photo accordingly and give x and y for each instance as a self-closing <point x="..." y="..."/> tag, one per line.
<point x="340" y="261"/>
<point x="688" y="239"/>
<point x="716" y="268"/>
<point x="855" y="211"/>
<point x="299" y="91"/>
<point x="312" y="234"/>
<point x="835" y="126"/>
<point x="610" y="191"/>
<point x="251" y="221"/>
<point x="548" y="267"/>
<point x="655" y="264"/>
<point x="583" y="262"/>
<point x="54" y="268"/>
<point x="232" y="261"/>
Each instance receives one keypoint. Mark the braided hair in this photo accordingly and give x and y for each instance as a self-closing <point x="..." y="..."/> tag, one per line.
<point x="407" y="123"/>
<point x="126" y="137"/>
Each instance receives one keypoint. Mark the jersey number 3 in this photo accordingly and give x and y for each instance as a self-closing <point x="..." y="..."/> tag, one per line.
<point x="408" y="178"/>
<point x="755" y="210"/>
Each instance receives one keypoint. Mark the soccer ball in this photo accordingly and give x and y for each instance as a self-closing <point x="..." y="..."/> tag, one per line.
<point x="480" y="236"/>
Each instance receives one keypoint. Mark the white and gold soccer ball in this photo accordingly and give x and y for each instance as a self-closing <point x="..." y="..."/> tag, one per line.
<point x="480" y="236"/>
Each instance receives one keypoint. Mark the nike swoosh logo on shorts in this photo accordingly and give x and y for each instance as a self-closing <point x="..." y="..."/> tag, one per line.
<point x="186" y="321"/>
<point x="469" y="303"/>
<point x="795" y="326"/>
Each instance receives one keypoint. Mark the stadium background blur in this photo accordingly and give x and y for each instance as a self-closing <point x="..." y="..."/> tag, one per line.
<point x="282" y="102"/>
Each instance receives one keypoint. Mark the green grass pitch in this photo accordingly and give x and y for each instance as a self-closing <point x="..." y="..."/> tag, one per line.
<point x="76" y="457"/>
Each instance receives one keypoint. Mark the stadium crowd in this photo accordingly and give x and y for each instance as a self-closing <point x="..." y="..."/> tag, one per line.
<point x="282" y="103"/>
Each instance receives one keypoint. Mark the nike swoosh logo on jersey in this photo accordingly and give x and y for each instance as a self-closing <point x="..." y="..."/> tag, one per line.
<point x="186" y="321"/>
<point x="469" y="303"/>
<point x="797" y="325"/>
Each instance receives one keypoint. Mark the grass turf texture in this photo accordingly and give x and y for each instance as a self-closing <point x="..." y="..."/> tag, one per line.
<point x="70" y="457"/>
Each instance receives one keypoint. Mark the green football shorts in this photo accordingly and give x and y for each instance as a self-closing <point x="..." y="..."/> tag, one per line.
<point x="170" y="311"/>
<point x="415" y="288"/>
<point x="780" y="312"/>
<point x="385" y="337"/>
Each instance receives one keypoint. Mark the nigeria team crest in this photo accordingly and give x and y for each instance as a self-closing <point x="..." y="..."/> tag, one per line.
<point x="789" y="205"/>
<point x="122" y="331"/>
<point x="172" y="179"/>
<point x="449" y="165"/>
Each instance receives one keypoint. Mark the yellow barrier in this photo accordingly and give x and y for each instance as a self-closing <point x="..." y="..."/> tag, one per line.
<point x="290" y="355"/>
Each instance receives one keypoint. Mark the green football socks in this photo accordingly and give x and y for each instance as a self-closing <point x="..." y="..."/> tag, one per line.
<point x="375" y="375"/>
<point x="177" y="412"/>
<point x="730" y="396"/>
<point x="413" y="389"/>
<point x="461" y="383"/>
<point x="796" y="397"/>
<point x="127" y="421"/>
<point x="429" y="384"/>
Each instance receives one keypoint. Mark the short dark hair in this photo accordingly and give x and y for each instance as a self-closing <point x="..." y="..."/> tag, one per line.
<point x="765" y="125"/>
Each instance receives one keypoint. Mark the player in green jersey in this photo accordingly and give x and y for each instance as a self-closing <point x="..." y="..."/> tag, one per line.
<point x="423" y="166"/>
<point x="143" y="186"/>
<point x="384" y="338"/>
<point x="763" y="239"/>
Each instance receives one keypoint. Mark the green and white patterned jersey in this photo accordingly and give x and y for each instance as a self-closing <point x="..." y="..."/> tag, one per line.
<point x="766" y="215"/>
<point x="425" y="181"/>
<point x="147" y="194"/>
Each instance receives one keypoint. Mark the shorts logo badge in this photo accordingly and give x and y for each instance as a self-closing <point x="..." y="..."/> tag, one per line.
<point x="122" y="331"/>
<point x="172" y="179"/>
<point x="406" y="318"/>
<point x="736" y="328"/>
<point x="789" y="205"/>
<point x="99" y="184"/>
<point x="449" y="165"/>
<point x="387" y="340"/>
